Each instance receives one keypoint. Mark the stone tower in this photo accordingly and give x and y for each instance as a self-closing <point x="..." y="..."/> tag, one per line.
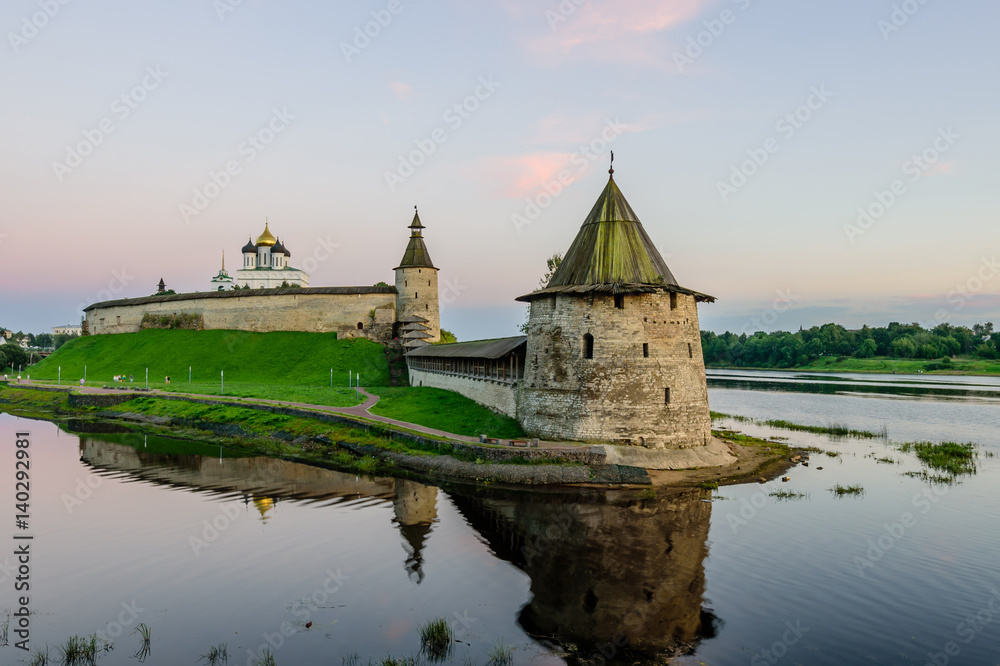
<point x="417" y="285"/>
<point x="614" y="346"/>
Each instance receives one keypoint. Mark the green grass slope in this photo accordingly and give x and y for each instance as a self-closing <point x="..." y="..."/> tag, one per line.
<point x="284" y="358"/>
<point x="443" y="410"/>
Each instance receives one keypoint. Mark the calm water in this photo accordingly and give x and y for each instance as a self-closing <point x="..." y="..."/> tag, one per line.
<point x="125" y="522"/>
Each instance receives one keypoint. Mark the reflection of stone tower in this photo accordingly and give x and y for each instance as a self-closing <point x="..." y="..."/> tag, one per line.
<point x="614" y="347"/>
<point x="415" y="507"/>
<point x="617" y="571"/>
<point x="417" y="284"/>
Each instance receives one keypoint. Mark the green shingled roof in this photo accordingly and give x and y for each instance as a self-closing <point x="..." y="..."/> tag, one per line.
<point x="612" y="253"/>
<point x="612" y="247"/>
<point x="416" y="255"/>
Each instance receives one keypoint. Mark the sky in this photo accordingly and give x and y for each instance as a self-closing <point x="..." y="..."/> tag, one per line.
<point x="803" y="162"/>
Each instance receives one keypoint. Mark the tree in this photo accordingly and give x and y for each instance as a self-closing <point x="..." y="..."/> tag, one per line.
<point x="551" y="266"/>
<point x="447" y="337"/>
<point x="867" y="349"/>
<point x="380" y="283"/>
<point x="15" y="355"/>
<point x="43" y="340"/>
<point x="60" y="339"/>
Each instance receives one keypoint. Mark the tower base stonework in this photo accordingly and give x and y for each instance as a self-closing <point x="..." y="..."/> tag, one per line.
<point x="642" y="384"/>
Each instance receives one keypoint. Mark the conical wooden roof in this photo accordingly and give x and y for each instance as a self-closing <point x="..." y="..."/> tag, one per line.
<point x="612" y="253"/>
<point x="416" y="254"/>
<point x="612" y="248"/>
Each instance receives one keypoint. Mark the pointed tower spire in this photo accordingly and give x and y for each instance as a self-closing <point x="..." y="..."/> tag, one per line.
<point x="416" y="254"/>
<point x="223" y="261"/>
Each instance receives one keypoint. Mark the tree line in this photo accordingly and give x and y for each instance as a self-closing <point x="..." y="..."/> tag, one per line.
<point x="783" y="349"/>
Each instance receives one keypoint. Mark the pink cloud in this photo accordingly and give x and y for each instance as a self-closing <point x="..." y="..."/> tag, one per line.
<point x="521" y="175"/>
<point x="401" y="90"/>
<point x="618" y="30"/>
<point x="942" y="168"/>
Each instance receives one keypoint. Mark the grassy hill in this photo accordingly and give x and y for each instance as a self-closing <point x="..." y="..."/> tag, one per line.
<point x="285" y="358"/>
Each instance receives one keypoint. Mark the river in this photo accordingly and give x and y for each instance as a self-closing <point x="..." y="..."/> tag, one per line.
<point x="208" y="546"/>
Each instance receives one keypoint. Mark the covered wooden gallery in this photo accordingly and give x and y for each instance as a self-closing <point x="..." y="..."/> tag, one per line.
<point x="499" y="360"/>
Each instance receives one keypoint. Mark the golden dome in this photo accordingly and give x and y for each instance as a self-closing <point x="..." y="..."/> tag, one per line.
<point x="266" y="238"/>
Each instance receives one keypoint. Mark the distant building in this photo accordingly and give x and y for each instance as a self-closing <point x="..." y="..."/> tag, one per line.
<point x="265" y="266"/>
<point x="6" y="335"/>
<point x="223" y="280"/>
<point x="69" y="329"/>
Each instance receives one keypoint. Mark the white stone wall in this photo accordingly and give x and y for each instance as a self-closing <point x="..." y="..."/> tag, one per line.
<point x="314" y="313"/>
<point x="498" y="396"/>
<point x="271" y="278"/>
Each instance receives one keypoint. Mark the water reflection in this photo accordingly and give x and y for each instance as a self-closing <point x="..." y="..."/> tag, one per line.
<point x="613" y="574"/>
<point x="610" y="574"/>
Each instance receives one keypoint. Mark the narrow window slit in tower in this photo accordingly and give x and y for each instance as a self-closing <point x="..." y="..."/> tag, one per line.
<point x="666" y="396"/>
<point x="645" y="350"/>
<point x="588" y="346"/>
<point x="620" y="301"/>
<point x="690" y="351"/>
<point x="673" y="300"/>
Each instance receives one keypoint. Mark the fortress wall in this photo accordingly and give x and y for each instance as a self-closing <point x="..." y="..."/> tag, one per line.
<point x="497" y="396"/>
<point x="618" y="395"/>
<point x="312" y="313"/>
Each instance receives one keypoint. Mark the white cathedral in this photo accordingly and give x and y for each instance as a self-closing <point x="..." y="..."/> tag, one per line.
<point x="265" y="266"/>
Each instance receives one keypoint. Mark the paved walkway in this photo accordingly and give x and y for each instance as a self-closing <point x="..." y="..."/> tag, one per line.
<point x="360" y="411"/>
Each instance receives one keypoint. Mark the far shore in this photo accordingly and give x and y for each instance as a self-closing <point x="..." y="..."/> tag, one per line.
<point x="830" y="365"/>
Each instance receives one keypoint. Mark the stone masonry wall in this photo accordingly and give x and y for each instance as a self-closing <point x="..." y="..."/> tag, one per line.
<point x="619" y="395"/>
<point x="418" y="295"/>
<point x="313" y="313"/>
<point x="497" y="396"/>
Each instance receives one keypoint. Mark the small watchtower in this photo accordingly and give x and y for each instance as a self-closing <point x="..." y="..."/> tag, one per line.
<point x="417" y="284"/>
<point x="614" y="346"/>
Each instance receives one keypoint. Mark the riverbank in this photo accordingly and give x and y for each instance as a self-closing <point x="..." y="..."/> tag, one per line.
<point x="343" y="439"/>
<point x="962" y="366"/>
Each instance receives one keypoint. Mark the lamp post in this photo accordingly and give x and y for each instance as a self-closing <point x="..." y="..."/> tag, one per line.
<point x="222" y="378"/>
<point x="147" y="379"/>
